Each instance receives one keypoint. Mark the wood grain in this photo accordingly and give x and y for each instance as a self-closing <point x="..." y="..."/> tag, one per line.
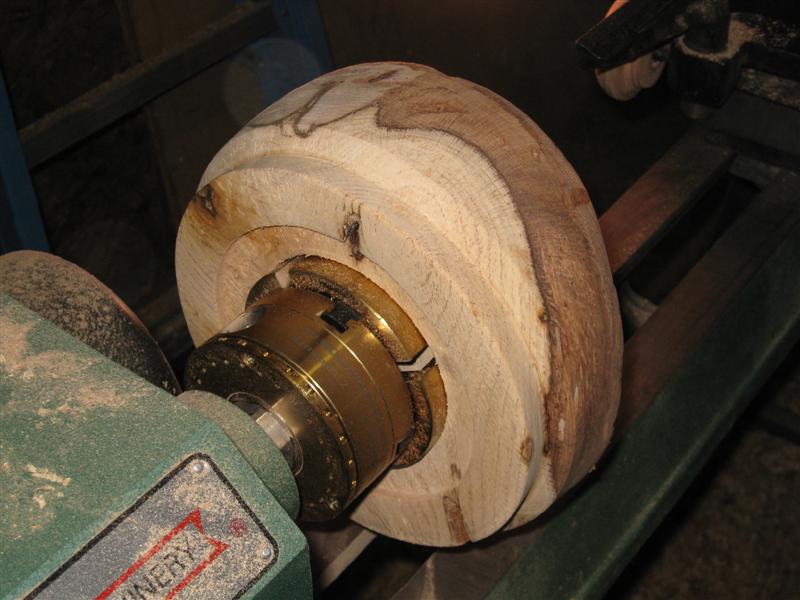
<point x="655" y="359"/>
<point x="478" y="227"/>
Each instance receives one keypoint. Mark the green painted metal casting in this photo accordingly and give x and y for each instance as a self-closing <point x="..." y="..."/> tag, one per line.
<point x="83" y="440"/>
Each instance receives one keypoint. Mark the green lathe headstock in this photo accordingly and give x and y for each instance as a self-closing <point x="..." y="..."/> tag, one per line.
<point x="112" y="488"/>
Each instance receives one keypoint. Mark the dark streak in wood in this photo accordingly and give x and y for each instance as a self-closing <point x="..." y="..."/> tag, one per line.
<point x="455" y="519"/>
<point x="351" y="233"/>
<point x="526" y="450"/>
<point x="382" y="76"/>
<point x="205" y="197"/>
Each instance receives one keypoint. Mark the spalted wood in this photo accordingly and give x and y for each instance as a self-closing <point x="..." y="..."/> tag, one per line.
<point x="456" y="204"/>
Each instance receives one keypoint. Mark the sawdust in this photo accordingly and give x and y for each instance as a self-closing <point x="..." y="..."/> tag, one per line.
<point x="53" y="384"/>
<point x="82" y="306"/>
<point x="69" y="373"/>
<point x="194" y="491"/>
<point x="16" y="357"/>
<point x="31" y="496"/>
<point x="776" y="89"/>
<point x="47" y="475"/>
<point x="86" y="398"/>
<point x="40" y="495"/>
<point x="739" y="34"/>
<point x="51" y="368"/>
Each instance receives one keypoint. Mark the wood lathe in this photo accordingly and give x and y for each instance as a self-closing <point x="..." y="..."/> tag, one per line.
<point x="387" y="359"/>
<point x="403" y="309"/>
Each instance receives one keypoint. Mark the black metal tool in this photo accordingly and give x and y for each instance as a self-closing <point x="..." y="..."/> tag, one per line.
<point x="713" y="48"/>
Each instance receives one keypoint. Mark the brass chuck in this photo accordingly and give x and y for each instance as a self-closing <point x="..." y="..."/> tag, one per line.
<point x="316" y="365"/>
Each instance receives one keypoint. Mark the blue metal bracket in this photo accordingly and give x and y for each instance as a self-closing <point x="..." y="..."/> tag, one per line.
<point x="20" y="221"/>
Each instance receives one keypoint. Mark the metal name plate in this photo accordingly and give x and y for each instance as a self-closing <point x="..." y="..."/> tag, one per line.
<point x="190" y="536"/>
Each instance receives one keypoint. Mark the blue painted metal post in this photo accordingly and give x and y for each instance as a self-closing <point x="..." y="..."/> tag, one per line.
<point x="20" y="221"/>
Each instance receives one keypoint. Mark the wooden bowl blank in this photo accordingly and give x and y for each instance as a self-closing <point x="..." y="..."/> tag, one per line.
<point x="457" y="204"/>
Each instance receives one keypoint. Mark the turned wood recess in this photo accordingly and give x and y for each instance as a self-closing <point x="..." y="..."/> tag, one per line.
<point x="455" y="203"/>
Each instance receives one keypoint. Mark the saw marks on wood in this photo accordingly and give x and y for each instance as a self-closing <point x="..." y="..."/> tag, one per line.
<point x="457" y="205"/>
